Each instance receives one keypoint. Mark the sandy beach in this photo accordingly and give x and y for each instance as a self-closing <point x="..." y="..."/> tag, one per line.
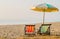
<point x="17" y="31"/>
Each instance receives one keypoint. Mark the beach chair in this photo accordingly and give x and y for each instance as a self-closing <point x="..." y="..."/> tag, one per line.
<point x="44" y="29"/>
<point x="29" y="30"/>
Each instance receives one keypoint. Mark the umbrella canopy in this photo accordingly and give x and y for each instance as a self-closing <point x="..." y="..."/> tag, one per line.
<point x="45" y="8"/>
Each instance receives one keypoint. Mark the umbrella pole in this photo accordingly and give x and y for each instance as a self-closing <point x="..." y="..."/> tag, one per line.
<point x="44" y="16"/>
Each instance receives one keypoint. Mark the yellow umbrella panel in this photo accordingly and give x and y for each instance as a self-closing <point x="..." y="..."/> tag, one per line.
<point x="45" y="10"/>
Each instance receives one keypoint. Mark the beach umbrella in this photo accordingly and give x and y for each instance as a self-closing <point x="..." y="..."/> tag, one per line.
<point x="45" y="8"/>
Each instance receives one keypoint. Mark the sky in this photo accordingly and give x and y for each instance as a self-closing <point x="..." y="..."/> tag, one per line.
<point x="19" y="11"/>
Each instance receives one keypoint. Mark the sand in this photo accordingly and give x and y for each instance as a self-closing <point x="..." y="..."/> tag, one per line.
<point x="17" y="31"/>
